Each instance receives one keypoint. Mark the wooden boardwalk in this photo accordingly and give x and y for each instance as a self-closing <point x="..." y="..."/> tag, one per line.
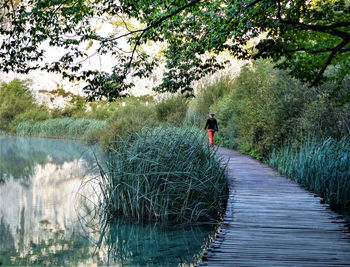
<point x="272" y="221"/>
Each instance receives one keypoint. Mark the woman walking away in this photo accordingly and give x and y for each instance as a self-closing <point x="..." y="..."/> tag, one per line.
<point x="212" y="126"/>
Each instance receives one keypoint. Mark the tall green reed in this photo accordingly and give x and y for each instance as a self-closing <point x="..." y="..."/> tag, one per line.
<point x="321" y="166"/>
<point x="62" y="128"/>
<point x="164" y="174"/>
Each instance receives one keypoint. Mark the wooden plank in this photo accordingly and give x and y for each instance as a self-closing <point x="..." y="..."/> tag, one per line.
<point x="272" y="221"/>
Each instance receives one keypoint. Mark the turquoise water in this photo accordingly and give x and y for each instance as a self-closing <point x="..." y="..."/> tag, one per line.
<point x="48" y="195"/>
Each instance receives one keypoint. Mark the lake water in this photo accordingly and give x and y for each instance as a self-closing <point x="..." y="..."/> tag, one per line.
<point x="48" y="192"/>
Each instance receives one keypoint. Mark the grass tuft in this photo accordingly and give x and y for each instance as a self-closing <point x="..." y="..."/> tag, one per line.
<point x="321" y="166"/>
<point x="164" y="174"/>
<point x="62" y="128"/>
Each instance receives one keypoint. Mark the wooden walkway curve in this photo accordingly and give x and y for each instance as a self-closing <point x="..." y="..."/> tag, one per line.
<point x="272" y="221"/>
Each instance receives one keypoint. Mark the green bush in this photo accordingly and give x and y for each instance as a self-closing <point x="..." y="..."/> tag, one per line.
<point x="208" y="94"/>
<point x="76" y="111"/>
<point x="321" y="166"/>
<point x="321" y="117"/>
<point x="167" y="174"/>
<point x="15" y="99"/>
<point x="172" y="110"/>
<point x="266" y="104"/>
<point x="227" y="135"/>
<point x="35" y="114"/>
<point x="20" y="114"/>
<point x="103" y="110"/>
<point x="56" y="113"/>
<point x="135" y="114"/>
<point x="264" y="107"/>
<point x="128" y="119"/>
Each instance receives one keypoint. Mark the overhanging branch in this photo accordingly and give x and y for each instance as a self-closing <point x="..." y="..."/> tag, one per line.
<point x="153" y="25"/>
<point x="328" y="62"/>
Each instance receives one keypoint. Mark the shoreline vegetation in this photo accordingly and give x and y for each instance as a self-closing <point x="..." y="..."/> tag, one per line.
<point x="60" y="128"/>
<point x="322" y="166"/>
<point x="155" y="171"/>
<point x="262" y="112"/>
<point x="164" y="174"/>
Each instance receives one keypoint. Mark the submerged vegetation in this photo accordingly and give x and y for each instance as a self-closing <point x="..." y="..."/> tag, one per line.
<point x="165" y="174"/>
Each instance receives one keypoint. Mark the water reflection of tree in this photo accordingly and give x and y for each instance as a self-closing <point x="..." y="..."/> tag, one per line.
<point x="57" y="250"/>
<point x="134" y="244"/>
<point x="7" y="241"/>
<point x="19" y="155"/>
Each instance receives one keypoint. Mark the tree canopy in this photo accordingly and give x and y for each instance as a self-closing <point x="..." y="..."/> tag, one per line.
<point x="310" y="38"/>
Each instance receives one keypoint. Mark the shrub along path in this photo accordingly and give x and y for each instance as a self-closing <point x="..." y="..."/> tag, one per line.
<point x="272" y="221"/>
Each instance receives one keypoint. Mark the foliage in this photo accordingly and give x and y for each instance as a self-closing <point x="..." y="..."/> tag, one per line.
<point x="265" y="107"/>
<point x="99" y="110"/>
<point x="166" y="174"/>
<point x="321" y="166"/>
<point x="321" y="118"/>
<point x="131" y="118"/>
<point x="172" y="110"/>
<point x="224" y="110"/>
<point x="36" y="114"/>
<point x="126" y="120"/>
<point x="261" y="110"/>
<point x="76" y="109"/>
<point x="311" y="38"/>
<point x="102" y="110"/>
<point x="209" y="93"/>
<point x="15" y="99"/>
<point x="100" y="121"/>
<point x="60" y="128"/>
<point x="57" y="113"/>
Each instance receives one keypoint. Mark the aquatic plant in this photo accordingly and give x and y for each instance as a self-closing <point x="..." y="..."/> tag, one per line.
<point x="62" y="128"/>
<point x="321" y="166"/>
<point x="165" y="174"/>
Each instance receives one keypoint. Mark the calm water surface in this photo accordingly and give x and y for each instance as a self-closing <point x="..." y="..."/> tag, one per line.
<point x="48" y="192"/>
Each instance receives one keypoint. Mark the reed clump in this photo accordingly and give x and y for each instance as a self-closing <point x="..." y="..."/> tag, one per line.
<point x="164" y="174"/>
<point x="60" y="128"/>
<point x="321" y="166"/>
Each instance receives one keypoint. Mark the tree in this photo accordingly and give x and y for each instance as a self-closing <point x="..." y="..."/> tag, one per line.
<point x="310" y="38"/>
<point x="15" y="99"/>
